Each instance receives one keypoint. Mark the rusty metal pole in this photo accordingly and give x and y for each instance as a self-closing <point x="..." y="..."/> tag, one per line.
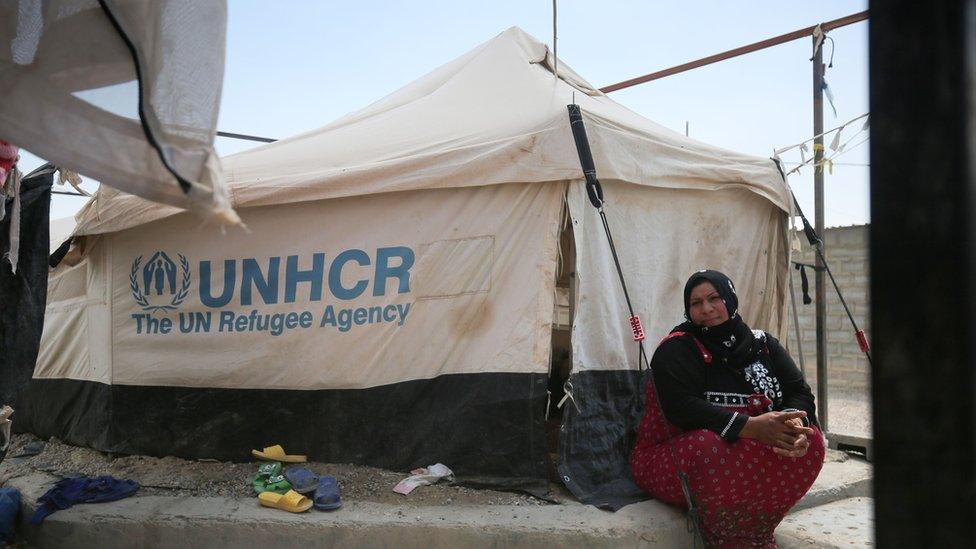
<point x="770" y="42"/>
<point x="818" y="207"/>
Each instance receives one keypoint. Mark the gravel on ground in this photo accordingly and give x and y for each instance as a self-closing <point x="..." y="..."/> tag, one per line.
<point x="175" y="476"/>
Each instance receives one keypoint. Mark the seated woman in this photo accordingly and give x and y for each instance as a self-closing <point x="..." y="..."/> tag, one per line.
<point x="740" y="416"/>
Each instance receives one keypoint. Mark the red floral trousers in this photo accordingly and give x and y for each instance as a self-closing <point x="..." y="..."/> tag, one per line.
<point x="743" y="489"/>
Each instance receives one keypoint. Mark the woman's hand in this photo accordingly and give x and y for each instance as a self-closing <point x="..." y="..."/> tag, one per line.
<point x="801" y="445"/>
<point x="778" y="430"/>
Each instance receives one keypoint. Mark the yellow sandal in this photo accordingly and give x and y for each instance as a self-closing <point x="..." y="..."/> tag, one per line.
<point x="291" y="501"/>
<point x="277" y="453"/>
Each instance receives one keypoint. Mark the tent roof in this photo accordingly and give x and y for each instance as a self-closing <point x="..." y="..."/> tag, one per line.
<point x="494" y="115"/>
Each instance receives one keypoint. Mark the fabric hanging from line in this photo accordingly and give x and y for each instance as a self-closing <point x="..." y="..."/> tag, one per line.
<point x="23" y="294"/>
<point x="10" y="185"/>
<point x="13" y="231"/>
<point x="8" y="157"/>
<point x="804" y="282"/>
<point x="64" y="55"/>
<point x="830" y="96"/>
<point x="843" y="148"/>
<point x="802" y="145"/>
<point x="72" y="178"/>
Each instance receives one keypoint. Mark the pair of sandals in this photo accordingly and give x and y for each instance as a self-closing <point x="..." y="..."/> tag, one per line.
<point x="285" y="491"/>
<point x="324" y="489"/>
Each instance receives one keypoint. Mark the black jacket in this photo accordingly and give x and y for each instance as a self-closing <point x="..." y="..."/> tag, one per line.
<point x="694" y="394"/>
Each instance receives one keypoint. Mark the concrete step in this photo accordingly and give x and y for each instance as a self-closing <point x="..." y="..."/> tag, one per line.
<point x="161" y="521"/>
<point x="845" y="523"/>
<point x="842" y="477"/>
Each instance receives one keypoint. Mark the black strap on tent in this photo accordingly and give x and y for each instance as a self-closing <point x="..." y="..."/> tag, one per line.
<point x="817" y="243"/>
<point x="595" y="192"/>
<point x="804" y="282"/>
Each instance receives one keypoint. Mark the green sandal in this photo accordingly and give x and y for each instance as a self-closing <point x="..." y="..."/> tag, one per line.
<point x="270" y="479"/>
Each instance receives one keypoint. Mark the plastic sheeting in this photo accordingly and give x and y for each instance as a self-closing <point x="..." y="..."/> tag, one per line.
<point x="65" y="69"/>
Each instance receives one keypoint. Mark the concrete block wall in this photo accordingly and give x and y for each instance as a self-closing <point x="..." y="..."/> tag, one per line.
<point x="846" y="249"/>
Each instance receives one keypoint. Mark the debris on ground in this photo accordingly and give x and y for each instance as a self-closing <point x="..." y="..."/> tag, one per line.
<point x="173" y="476"/>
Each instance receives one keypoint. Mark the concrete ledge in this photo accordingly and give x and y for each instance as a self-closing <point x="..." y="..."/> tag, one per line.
<point x="841" y="478"/>
<point x="162" y="521"/>
<point x="159" y="521"/>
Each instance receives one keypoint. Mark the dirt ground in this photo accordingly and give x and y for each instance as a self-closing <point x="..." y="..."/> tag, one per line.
<point x="849" y="412"/>
<point x="174" y="476"/>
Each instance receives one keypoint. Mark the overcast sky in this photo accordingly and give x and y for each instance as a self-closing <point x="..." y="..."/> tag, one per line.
<point x="295" y="65"/>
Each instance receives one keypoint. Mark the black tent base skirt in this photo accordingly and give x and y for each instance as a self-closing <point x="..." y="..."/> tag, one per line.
<point x="489" y="427"/>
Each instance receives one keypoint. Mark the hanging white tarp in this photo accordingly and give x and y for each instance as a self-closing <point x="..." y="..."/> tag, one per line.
<point x="123" y="91"/>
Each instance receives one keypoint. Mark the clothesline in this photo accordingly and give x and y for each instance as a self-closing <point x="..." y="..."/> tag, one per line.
<point x="838" y="148"/>
<point x="829" y="160"/>
<point x="778" y="152"/>
<point x="860" y="164"/>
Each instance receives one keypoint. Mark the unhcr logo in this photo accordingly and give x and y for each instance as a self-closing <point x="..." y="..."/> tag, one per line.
<point x="160" y="285"/>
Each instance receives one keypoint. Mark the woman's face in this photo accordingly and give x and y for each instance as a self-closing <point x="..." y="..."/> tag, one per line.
<point x="706" y="306"/>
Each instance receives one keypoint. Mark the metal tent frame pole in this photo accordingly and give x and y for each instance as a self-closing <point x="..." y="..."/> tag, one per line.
<point x="818" y="214"/>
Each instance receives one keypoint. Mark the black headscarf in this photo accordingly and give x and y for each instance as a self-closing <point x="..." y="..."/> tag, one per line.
<point x="731" y="341"/>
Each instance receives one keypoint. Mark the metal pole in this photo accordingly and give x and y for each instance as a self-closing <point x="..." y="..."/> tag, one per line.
<point x="818" y="206"/>
<point x="775" y="41"/>
<point x="246" y="137"/>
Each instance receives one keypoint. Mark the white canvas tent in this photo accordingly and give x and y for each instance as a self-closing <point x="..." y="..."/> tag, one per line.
<point x="392" y="302"/>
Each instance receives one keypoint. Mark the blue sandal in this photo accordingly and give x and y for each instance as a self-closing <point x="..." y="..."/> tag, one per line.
<point x="302" y="480"/>
<point x="327" y="495"/>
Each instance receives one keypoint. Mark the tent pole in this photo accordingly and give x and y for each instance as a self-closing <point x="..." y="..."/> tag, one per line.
<point x="818" y="206"/>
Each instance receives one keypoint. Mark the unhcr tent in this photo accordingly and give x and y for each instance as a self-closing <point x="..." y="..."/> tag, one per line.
<point x="392" y="302"/>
